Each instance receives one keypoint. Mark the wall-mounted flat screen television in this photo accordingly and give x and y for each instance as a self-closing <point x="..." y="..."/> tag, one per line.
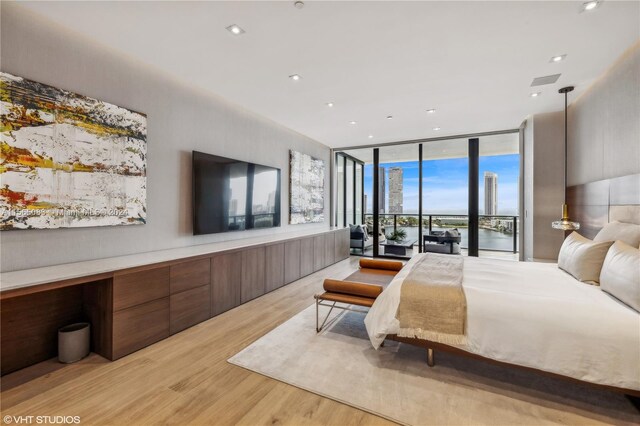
<point x="232" y="195"/>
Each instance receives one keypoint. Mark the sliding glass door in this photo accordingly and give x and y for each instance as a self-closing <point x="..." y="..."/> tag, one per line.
<point x="349" y="190"/>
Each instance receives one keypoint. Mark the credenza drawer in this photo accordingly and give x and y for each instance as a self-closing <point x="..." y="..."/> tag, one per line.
<point x="226" y="281"/>
<point x="253" y="270"/>
<point x="140" y="326"/>
<point x="188" y="275"/>
<point x="140" y="287"/>
<point x="189" y="308"/>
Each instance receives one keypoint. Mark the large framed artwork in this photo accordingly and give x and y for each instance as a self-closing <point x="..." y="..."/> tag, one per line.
<point x="67" y="160"/>
<point x="306" y="188"/>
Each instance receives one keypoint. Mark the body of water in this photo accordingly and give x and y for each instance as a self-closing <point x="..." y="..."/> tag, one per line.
<point x="487" y="238"/>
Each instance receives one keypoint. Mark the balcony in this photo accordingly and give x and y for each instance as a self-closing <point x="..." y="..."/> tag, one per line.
<point x="497" y="234"/>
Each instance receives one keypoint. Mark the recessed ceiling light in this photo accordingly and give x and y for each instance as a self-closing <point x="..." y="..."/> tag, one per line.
<point x="431" y="111"/>
<point x="298" y="5"/>
<point x="295" y="77"/>
<point x="590" y="5"/>
<point x="535" y="94"/>
<point x="330" y="104"/>
<point x="558" y="58"/>
<point x="389" y="117"/>
<point x="353" y="122"/>
<point x="235" y="30"/>
<point x="370" y="136"/>
<point x="436" y="128"/>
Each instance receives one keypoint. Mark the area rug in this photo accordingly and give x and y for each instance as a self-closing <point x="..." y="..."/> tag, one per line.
<point x="396" y="383"/>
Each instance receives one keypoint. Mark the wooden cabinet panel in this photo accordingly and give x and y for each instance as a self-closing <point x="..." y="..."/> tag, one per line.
<point x="188" y="308"/>
<point x="140" y="287"/>
<point x="98" y="309"/>
<point x="341" y="244"/>
<point x="226" y="282"/>
<point x="329" y="249"/>
<point x="188" y="275"/>
<point x="253" y="270"/>
<point x="29" y="325"/>
<point x="306" y="256"/>
<point x="291" y="261"/>
<point x="274" y="267"/>
<point x="318" y="252"/>
<point x="140" y="326"/>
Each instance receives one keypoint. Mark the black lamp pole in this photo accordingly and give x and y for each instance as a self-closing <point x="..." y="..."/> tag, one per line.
<point x="566" y="91"/>
<point x="565" y="223"/>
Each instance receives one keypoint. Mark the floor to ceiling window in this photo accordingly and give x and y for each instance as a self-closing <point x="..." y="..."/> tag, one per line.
<point x="467" y="187"/>
<point x="340" y="188"/>
<point x="349" y="192"/>
<point x="398" y="167"/>
<point x="445" y="192"/>
<point x="498" y="194"/>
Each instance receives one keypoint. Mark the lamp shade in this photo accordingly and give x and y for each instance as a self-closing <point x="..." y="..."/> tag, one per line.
<point x="565" y="223"/>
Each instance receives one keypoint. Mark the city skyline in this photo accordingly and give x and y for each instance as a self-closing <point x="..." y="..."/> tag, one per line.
<point x="445" y="184"/>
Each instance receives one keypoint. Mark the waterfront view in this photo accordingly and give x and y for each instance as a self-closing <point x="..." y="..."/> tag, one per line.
<point x="495" y="233"/>
<point x="434" y="177"/>
<point x="445" y="192"/>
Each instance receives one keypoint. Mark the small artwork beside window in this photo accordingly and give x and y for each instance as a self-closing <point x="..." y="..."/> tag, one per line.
<point x="306" y="188"/>
<point x="67" y="160"/>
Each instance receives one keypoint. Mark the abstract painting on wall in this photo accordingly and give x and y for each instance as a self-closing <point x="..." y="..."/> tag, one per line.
<point x="67" y="160"/>
<point x="306" y="189"/>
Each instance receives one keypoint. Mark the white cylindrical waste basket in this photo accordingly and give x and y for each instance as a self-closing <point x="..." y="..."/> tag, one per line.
<point x="73" y="342"/>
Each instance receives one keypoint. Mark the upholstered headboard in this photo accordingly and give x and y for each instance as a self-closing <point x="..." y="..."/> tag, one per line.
<point x="595" y="204"/>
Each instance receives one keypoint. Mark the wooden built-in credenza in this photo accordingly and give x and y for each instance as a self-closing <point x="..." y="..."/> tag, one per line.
<point x="133" y="307"/>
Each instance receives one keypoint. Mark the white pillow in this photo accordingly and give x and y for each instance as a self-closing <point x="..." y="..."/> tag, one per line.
<point x="627" y="232"/>
<point x="582" y="257"/>
<point x="620" y="275"/>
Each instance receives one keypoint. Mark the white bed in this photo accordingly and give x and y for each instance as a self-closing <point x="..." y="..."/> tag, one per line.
<point x="535" y="315"/>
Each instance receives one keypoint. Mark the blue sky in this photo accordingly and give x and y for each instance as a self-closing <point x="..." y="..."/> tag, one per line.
<point x="445" y="184"/>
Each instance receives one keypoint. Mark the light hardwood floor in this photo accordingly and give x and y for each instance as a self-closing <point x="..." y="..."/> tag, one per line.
<point x="186" y="379"/>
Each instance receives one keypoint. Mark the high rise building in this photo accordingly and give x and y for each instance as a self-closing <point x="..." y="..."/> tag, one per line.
<point x="490" y="193"/>
<point x="382" y="196"/>
<point x="395" y="190"/>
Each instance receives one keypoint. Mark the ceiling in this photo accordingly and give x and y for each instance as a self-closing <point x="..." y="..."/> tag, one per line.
<point x="471" y="61"/>
<point x="501" y="144"/>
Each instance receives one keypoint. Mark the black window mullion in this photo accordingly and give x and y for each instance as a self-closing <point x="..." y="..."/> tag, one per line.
<point x="354" y="192"/>
<point x="474" y="167"/>
<point x="376" y="207"/>
<point x="420" y="243"/>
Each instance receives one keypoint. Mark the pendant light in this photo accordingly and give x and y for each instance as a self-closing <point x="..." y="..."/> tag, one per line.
<point x="565" y="223"/>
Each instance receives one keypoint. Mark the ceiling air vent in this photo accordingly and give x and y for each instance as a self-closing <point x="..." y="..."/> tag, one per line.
<point x="548" y="79"/>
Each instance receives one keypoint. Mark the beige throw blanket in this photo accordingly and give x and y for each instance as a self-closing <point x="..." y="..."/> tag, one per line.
<point x="432" y="302"/>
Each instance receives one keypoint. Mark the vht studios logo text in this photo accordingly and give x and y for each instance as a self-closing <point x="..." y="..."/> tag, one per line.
<point x="41" y="420"/>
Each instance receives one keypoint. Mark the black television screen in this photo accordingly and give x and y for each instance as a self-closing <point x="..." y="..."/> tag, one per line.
<point x="232" y="195"/>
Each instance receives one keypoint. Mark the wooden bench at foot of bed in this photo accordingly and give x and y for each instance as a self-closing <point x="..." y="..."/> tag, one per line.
<point x="360" y="288"/>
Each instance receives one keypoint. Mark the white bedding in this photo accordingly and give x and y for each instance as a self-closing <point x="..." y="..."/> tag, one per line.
<point x="535" y="315"/>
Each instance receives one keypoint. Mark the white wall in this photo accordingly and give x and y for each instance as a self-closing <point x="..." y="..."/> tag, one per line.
<point x="180" y="119"/>
<point x="604" y="124"/>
